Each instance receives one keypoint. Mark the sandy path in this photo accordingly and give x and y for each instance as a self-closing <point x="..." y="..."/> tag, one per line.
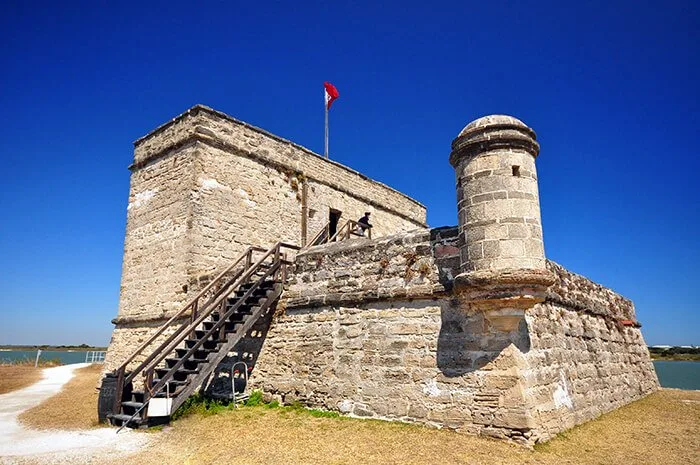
<point x="19" y="444"/>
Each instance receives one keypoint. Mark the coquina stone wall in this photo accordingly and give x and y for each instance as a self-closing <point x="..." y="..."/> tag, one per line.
<point x="375" y="329"/>
<point x="204" y="187"/>
<point x="469" y="328"/>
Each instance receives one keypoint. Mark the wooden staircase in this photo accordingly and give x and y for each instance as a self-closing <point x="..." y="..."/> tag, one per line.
<point x="219" y="317"/>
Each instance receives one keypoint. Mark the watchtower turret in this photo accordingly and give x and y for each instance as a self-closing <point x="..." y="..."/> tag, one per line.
<point x="502" y="256"/>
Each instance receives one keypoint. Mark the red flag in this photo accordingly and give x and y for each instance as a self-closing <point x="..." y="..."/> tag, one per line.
<point x="331" y="94"/>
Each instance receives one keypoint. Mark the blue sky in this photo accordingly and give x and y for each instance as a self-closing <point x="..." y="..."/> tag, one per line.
<point x="609" y="87"/>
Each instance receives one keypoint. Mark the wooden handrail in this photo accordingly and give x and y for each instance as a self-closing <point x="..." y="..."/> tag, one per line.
<point x="175" y="341"/>
<point x="199" y="313"/>
<point x="178" y="315"/>
<point x="338" y="231"/>
<point x="216" y="327"/>
<point x="325" y="230"/>
<point x="347" y="229"/>
<point x="183" y="329"/>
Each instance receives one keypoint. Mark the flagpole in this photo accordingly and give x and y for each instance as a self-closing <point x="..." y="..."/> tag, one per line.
<point x="326" y="138"/>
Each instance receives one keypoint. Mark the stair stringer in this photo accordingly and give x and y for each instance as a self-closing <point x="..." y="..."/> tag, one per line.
<point x="214" y="359"/>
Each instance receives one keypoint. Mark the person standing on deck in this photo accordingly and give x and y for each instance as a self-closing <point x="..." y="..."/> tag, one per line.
<point x="363" y="223"/>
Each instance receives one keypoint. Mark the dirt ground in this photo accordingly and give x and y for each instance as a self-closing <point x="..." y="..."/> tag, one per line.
<point x="20" y="444"/>
<point x="661" y="429"/>
<point x="13" y="377"/>
<point x="74" y="407"/>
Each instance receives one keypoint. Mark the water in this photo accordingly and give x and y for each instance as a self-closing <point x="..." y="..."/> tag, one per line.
<point x="681" y="375"/>
<point x="66" y="358"/>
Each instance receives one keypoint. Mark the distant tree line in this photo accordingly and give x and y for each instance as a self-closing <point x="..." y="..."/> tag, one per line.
<point x="50" y="347"/>
<point x="675" y="350"/>
<point x="675" y="353"/>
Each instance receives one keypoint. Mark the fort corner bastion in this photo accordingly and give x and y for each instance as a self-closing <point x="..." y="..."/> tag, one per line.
<point x="468" y="327"/>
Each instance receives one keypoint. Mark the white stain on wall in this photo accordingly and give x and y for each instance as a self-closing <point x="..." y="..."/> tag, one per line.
<point x="141" y="198"/>
<point x="208" y="183"/>
<point x="346" y="405"/>
<point x="561" y="395"/>
<point x="246" y="198"/>
<point x="431" y="389"/>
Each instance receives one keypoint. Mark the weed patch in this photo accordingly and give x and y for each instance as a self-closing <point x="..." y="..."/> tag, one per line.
<point x="273" y="404"/>
<point x="199" y="404"/>
<point x="254" y="399"/>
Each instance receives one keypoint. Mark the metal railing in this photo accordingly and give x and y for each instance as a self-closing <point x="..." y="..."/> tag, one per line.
<point x="233" y="379"/>
<point x="95" y="356"/>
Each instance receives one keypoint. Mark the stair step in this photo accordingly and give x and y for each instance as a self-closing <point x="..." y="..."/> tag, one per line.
<point x="174" y="361"/>
<point x="229" y="326"/>
<point x="171" y="362"/>
<point x="140" y="395"/>
<point x="242" y="310"/>
<point x="199" y="334"/>
<point x="236" y="300"/>
<point x="235" y="318"/>
<point x="206" y="346"/>
<point x="131" y="404"/>
<point x="173" y="382"/>
<point x="259" y="292"/>
<point x="202" y="348"/>
<point x="200" y="353"/>
<point x="180" y="371"/>
<point x="124" y="418"/>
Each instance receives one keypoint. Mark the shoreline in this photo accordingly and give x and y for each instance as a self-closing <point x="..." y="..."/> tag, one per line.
<point x="53" y="349"/>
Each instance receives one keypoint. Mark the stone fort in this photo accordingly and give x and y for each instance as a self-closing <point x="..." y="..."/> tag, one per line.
<point x="467" y="327"/>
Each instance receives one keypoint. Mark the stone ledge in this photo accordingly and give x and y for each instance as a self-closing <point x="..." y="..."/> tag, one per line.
<point x="580" y="293"/>
<point x="355" y="244"/>
<point x="137" y="320"/>
<point x="488" y="278"/>
<point x="360" y="298"/>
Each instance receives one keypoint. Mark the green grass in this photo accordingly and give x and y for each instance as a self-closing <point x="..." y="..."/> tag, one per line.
<point x="152" y="429"/>
<point x="199" y="404"/>
<point x="255" y="398"/>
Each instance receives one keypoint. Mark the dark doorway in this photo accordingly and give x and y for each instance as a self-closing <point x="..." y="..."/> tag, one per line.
<point x="333" y="219"/>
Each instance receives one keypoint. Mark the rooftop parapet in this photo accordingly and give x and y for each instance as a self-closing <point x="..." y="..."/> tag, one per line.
<point x="203" y="124"/>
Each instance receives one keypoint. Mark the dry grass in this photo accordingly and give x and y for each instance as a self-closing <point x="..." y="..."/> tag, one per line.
<point x="13" y="377"/>
<point x="659" y="429"/>
<point x="74" y="407"/>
